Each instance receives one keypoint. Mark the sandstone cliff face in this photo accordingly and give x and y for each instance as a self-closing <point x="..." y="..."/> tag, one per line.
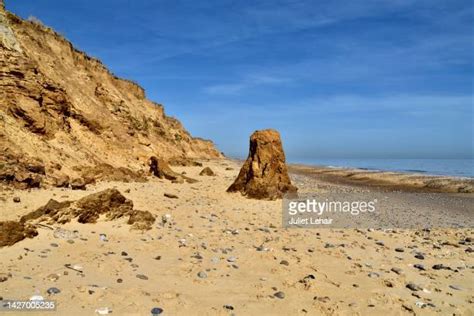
<point x="63" y="110"/>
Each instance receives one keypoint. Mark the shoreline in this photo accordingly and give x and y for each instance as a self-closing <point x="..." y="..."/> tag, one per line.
<point x="386" y="180"/>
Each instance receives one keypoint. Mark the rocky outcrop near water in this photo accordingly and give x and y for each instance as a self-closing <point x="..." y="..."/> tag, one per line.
<point x="264" y="174"/>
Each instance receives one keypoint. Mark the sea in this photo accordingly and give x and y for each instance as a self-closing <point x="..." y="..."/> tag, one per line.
<point x="463" y="168"/>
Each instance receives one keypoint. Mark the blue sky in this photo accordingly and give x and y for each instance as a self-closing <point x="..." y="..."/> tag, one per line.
<point x="338" y="79"/>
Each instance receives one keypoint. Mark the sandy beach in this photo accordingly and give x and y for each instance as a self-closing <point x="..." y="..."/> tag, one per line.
<point x="220" y="253"/>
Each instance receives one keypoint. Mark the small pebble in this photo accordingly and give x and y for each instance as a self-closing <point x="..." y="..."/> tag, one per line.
<point x="413" y="287"/>
<point x="419" y="256"/>
<point x="142" y="276"/>
<point x="202" y="274"/>
<point x="279" y="295"/>
<point x="53" y="290"/>
<point x="156" y="311"/>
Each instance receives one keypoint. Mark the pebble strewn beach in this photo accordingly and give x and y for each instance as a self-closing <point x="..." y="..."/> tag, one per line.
<point x="215" y="253"/>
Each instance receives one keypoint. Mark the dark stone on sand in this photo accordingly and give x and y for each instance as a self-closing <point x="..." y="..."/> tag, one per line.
<point x="202" y="274"/>
<point x="279" y="295"/>
<point x="419" y="267"/>
<point x="170" y="196"/>
<point x="419" y="256"/>
<point x="441" y="267"/>
<point x="142" y="277"/>
<point x="397" y="271"/>
<point x="53" y="290"/>
<point x="156" y="311"/>
<point x="16" y="199"/>
<point x="413" y="287"/>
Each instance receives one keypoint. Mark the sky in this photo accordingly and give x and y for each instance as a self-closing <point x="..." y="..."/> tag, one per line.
<point x="337" y="79"/>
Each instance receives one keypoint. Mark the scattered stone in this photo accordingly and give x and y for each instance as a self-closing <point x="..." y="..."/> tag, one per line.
<point x="119" y="280"/>
<point x="262" y="248"/>
<point x="284" y="262"/>
<point x="373" y="275"/>
<point x="441" y="267"/>
<point x="103" y="311"/>
<point x="455" y="287"/>
<point x="264" y="174"/>
<point x="397" y="270"/>
<point x="4" y="277"/>
<point x="207" y="172"/>
<point x="142" y="277"/>
<point x="399" y="250"/>
<point x="279" y="295"/>
<point x="229" y="307"/>
<point x="16" y="199"/>
<point x="419" y="267"/>
<point x="202" y="274"/>
<point x="53" y="277"/>
<point x="156" y="311"/>
<point x="53" y="290"/>
<point x="123" y="253"/>
<point x="170" y="196"/>
<point x="419" y="256"/>
<point x="413" y="287"/>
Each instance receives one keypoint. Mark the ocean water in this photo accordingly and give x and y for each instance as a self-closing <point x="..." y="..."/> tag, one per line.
<point x="443" y="167"/>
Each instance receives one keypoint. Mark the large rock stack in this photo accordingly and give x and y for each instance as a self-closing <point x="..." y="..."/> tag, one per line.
<point x="264" y="174"/>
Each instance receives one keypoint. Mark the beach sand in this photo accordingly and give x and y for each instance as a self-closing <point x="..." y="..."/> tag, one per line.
<point x="222" y="253"/>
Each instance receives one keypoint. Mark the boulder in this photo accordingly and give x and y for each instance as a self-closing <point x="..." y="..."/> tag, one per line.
<point x="207" y="172"/>
<point x="264" y="174"/>
<point x="161" y="169"/>
<point x="109" y="202"/>
<point x="61" y="181"/>
<point x="78" y="184"/>
<point x="141" y="220"/>
<point x="12" y="232"/>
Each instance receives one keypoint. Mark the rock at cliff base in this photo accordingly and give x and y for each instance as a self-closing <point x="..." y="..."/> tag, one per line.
<point x="207" y="172"/>
<point x="264" y="174"/>
<point x="161" y="169"/>
<point x="12" y="232"/>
